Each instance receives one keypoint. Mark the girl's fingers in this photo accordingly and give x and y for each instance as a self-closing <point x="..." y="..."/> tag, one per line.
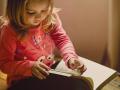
<point x="38" y="74"/>
<point x="42" y="71"/>
<point x="39" y="70"/>
<point x="77" y="63"/>
<point x="44" y="66"/>
<point x="72" y="66"/>
<point x="82" y="68"/>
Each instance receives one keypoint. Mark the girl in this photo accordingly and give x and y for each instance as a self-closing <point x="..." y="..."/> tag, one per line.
<point x="27" y="46"/>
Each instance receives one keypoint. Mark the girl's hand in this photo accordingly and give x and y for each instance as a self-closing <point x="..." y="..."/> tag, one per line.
<point x="40" y="70"/>
<point x="76" y="64"/>
<point x="3" y="21"/>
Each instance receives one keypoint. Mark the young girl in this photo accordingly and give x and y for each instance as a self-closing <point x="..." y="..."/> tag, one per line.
<point x="27" y="46"/>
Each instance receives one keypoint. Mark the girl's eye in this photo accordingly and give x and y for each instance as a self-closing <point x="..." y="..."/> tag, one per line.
<point x="31" y="13"/>
<point x="44" y="11"/>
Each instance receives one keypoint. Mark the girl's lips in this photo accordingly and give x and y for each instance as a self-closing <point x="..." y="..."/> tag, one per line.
<point x="37" y="21"/>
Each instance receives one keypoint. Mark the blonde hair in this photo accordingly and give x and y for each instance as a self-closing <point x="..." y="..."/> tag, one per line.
<point x="16" y="10"/>
<point x="49" y="22"/>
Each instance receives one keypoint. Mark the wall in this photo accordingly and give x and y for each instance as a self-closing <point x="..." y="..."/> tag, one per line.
<point x="2" y="6"/>
<point x="86" y="22"/>
<point x="114" y="34"/>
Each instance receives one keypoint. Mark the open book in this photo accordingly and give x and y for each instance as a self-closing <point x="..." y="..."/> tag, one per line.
<point x="100" y="74"/>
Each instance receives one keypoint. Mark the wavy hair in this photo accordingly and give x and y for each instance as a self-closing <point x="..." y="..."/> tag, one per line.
<point x="15" y="13"/>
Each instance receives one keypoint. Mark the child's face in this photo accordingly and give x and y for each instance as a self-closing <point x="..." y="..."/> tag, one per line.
<point x="36" y="12"/>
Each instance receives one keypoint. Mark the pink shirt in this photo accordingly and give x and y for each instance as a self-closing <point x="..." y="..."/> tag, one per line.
<point x="17" y="57"/>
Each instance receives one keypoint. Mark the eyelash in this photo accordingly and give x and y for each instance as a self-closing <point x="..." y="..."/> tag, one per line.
<point x="34" y="13"/>
<point x="31" y="13"/>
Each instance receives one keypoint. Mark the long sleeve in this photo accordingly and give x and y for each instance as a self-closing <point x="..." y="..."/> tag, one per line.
<point x="8" y="64"/>
<point x="62" y="41"/>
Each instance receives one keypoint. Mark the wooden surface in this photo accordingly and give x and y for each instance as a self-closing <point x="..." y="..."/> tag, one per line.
<point x="113" y="85"/>
<point x="3" y="85"/>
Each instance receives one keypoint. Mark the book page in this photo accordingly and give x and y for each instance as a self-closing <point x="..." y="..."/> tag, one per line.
<point x="53" y="71"/>
<point x="97" y="72"/>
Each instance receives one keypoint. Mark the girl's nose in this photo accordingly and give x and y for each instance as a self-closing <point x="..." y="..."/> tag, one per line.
<point x="38" y="16"/>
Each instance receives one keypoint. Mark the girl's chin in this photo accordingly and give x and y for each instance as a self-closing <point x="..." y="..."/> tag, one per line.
<point x="35" y="25"/>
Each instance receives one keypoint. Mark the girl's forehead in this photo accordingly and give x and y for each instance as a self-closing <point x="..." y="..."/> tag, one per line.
<point x="37" y="3"/>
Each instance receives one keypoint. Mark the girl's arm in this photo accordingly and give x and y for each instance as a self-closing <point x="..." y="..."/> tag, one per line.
<point x="62" y="41"/>
<point x="7" y="52"/>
